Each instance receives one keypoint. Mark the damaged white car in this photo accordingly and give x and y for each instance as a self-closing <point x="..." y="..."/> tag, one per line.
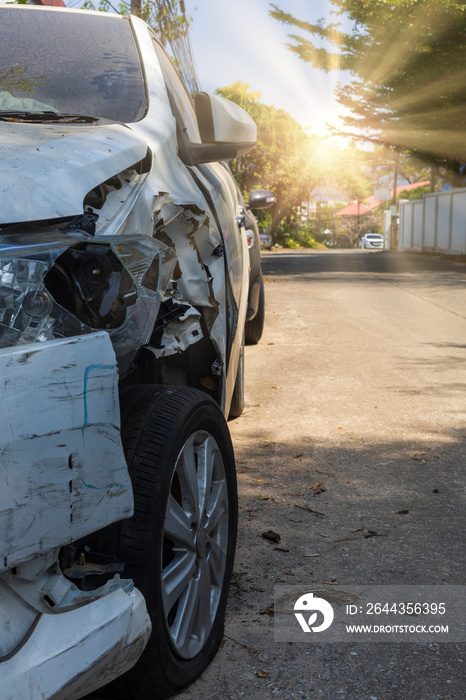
<point x="123" y="299"/>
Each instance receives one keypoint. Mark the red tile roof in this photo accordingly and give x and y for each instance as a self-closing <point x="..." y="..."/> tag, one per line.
<point x="53" y="3"/>
<point x="355" y="209"/>
<point x="370" y="203"/>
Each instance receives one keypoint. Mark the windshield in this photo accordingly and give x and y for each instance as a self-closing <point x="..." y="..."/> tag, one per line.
<point x="70" y="63"/>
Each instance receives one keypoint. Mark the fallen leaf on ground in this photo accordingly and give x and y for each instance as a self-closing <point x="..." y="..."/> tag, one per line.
<point x="263" y="498"/>
<point x="402" y="512"/>
<point x="322" y="534"/>
<point x="325" y="473"/>
<point x="370" y="533"/>
<point x="276" y="387"/>
<point x="309" y="509"/>
<point x="358" y="529"/>
<point x="312" y="555"/>
<point x="281" y="549"/>
<point x="269" y="610"/>
<point x="331" y="583"/>
<point x="262" y="674"/>
<point x="318" y="487"/>
<point x="271" y="536"/>
<point x="245" y="646"/>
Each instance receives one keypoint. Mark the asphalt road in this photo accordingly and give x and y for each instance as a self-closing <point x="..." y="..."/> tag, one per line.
<point x="358" y="384"/>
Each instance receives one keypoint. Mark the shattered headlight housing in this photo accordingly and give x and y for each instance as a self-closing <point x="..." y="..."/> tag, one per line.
<point x="25" y="306"/>
<point x="55" y="285"/>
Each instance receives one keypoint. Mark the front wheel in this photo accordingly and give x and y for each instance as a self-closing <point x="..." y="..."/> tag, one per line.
<point x="179" y="546"/>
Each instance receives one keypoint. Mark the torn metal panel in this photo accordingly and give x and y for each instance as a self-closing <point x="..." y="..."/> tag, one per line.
<point x="64" y="474"/>
<point x="199" y="280"/>
<point x="200" y="269"/>
<point x="114" y="200"/>
<point x="179" y="334"/>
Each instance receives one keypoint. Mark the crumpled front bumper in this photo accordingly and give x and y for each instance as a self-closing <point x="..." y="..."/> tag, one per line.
<point x="70" y="654"/>
<point x="63" y="475"/>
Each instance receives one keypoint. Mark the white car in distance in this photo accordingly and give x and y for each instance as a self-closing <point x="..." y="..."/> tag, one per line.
<point x="372" y="241"/>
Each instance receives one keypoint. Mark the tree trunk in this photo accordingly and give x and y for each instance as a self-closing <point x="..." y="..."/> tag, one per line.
<point x="136" y="7"/>
<point x="278" y="214"/>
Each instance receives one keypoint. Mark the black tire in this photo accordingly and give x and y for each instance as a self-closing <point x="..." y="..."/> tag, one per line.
<point x="255" y="327"/>
<point x="237" y="400"/>
<point x="170" y="435"/>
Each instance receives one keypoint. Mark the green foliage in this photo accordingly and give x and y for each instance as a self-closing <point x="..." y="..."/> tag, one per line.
<point x="291" y="243"/>
<point x="166" y="17"/>
<point x="383" y="161"/>
<point x="406" y="58"/>
<point x="17" y="78"/>
<point x="352" y="172"/>
<point x="282" y="160"/>
<point x="293" y="234"/>
<point x="302" y="239"/>
<point x="414" y="194"/>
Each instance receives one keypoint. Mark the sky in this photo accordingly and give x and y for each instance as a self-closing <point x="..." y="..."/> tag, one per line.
<point x="238" y="40"/>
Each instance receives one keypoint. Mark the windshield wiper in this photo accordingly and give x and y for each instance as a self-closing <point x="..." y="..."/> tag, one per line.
<point x="19" y="115"/>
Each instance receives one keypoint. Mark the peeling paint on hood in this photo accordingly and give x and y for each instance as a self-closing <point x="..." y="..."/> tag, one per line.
<point x="46" y="169"/>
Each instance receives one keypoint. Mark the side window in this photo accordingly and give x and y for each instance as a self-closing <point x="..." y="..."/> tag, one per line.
<point x="181" y="101"/>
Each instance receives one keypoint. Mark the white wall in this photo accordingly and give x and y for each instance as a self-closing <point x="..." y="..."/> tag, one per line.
<point x="437" y="222"/>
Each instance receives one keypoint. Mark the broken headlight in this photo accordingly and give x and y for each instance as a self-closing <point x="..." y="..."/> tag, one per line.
<point x="28" y="312"/>
<point x="54" y="285"/>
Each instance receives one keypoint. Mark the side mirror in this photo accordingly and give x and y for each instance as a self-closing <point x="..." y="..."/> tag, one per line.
<point x="227" y="131"/>
<point x="261" y="199"/>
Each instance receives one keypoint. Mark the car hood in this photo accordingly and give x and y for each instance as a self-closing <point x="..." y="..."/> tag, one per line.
<point x="46" y="170"/>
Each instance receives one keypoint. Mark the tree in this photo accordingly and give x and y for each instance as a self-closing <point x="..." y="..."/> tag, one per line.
<point x="406" y="62"/>
<point x="282" y="160"/>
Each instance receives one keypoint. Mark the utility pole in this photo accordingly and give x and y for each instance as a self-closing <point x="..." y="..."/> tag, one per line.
<point x="395" y="175"/>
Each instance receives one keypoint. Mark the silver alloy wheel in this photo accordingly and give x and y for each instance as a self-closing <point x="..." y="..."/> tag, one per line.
<point x="195" y="543"/>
